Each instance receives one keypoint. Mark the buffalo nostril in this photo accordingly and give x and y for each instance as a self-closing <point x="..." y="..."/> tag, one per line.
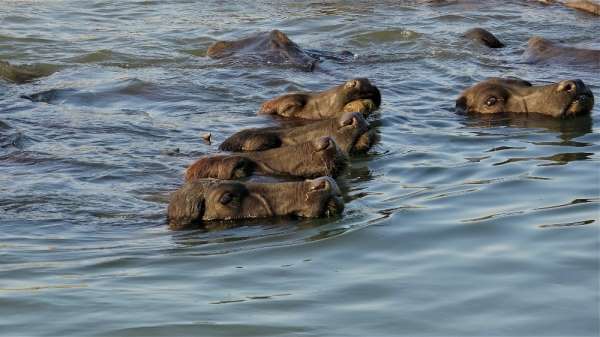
<point x="348" y="119"/>
<point x="351" y="84"/>
<point x="323" y="143"/>
<point x="579" y="84"/>
<point x="568" y="86"/>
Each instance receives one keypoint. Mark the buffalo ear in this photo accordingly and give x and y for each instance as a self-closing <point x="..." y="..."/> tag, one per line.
<point x="251" y="141"/>
<point x="519" y="80"/>
<point x="242" y="167"/>
<point x="461" y="105"/>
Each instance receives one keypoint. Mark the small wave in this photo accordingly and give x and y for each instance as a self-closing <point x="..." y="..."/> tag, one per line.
<point x="107" y="57"/>
<point x="201" y="328"/>
<point x="259" y="61"/>
<point x="100" y="96"/>
<point x="201" y="52"/>
<point x="7" y="38"/>
<point x="97" y="56"/>
<point x="385" y="36"/>
<point x="573" y="202"/>
<point x="4" y="125"/>
<point x="46" y="287"/>
<point x="12" y="140"/>
<point x="9" y="138"/>
<point x="25" y="73"/>
<point x="557" y="159"/>
<point x="450" y="18"/>
<point x="568" y="224"/>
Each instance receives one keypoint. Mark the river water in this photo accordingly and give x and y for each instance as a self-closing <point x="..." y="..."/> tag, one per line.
<point x="454" y="225"/>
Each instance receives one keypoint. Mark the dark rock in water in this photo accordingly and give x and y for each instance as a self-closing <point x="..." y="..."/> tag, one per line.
<point x="483" y="37"/>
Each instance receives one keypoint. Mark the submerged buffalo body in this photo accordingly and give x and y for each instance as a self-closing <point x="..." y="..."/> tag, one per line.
<point x="357" y="95"/>
<point x="484" y="37"/>
<point x="497" y="95"/>
<point x="350" y="132"/>
<point x="591" y="7"/>
<point x="540" y="50"/>
<point x="273" y="48"/>
<point x="320" y="157"/>
<point x="24" y="73"/>
<point x="200" y="201"/>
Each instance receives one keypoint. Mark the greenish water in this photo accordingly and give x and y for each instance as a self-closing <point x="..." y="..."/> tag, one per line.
<point x="454" y="226"/>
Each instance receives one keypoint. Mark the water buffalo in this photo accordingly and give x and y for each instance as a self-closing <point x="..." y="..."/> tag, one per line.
<point x="315" y="158"/>
<point x="588" y="6"/>
<point x="350" y="131"/>
<point x="482" y="36"/>
<point x="497" y="95"/>
<point x="201" y="201"/>
<point x="540" y="50"/>
<point x="273" y="48"/>
<point x="357" y="95"/>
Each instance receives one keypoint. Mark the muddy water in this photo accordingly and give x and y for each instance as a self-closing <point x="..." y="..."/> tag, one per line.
<point x="454" y="226"/>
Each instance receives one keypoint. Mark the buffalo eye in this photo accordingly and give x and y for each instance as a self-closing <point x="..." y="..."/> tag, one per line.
<point x="491" y="101"/>
<point x="226" y="198"/>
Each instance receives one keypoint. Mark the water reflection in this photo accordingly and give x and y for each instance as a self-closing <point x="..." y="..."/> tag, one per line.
<point x="247" y="298"/>
<point x="223" y="232"/>
<point x="568" y="224"/>
<point x="567" y="129"/>
<point x="556" y="159"/>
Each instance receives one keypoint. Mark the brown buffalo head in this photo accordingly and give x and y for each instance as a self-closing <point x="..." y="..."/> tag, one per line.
<point x="357" y="95"/>
<point x="205" y="200"/>
<point x="497" y="95"/>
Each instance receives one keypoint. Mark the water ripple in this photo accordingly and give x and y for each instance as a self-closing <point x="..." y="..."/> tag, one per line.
<point x="488" y="223"/>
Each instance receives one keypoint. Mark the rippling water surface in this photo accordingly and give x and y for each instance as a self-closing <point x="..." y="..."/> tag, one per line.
<point x="454" y="226"/>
